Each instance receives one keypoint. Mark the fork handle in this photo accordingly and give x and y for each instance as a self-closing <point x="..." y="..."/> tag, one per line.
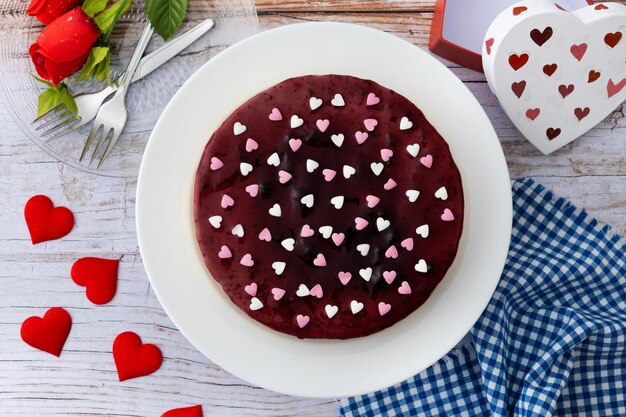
<point x="142" y="43"/>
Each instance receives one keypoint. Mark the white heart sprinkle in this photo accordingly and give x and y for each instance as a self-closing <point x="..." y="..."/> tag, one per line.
<point x="412" y="195"/>
<point x="326" y="231"/>
<point x="288" y="244"/>
<point x="377" y="168"/>
<point x="405" y="123"/>
<point x="421" y="266"/>
<point x="238" y="230"/>
<point x="239" y="128"/>
<point x="255" y="304"/>
<point x="275" y="210"/>
<point x="382" y="224"/>
<point x="338" y="139"/>
<point x="442" y="193"/>
<point x="311" y="165"/>
<point x="331" y="310"/>
<point x="308" y="200"/>
<point x="337" y="201"/>
<point x="356" y="306"/>
<point x="296" y="121"/>
<point x="303" y="291"/>
<point x="279" y="267"/>
<point x="274" y="159"/>
<point x="245" y="168"/>
<point x="413" y="150"/>
<point x="216" y="221"/>
<point x="364" y="248"/>
<point x="348" y="171"/>
<point x="337" y="101"/>
<point x="315" y="103"/>
<point x="423" y="231"/>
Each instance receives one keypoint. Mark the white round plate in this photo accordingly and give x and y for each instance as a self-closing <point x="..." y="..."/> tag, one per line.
<point x="196" y="303"/>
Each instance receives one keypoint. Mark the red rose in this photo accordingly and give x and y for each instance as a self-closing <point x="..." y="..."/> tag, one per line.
<point x="63" y="47"/>
<point x="48" y="10"/>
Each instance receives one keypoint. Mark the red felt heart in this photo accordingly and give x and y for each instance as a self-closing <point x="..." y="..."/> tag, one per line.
<point x="518" y="88"/>
<point x="48" y="333"/>
<point x="193" y="411"/>
<point x="612" y="39"/>
<point x="99" y="276"/>
<point x="552" y="133"/>
<point x="518" y="61"/>
<point x="134" y="359"/>
<point x="46" y="222"/>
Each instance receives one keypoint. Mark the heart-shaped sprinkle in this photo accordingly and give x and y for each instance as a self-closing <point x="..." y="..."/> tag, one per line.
<point x="302" y="320"/>
<point x="407" y="243"/>
<point x="326" y="231"/>
<point x="306" y="231"/>
<point x="386" y="154"/>
<point x="382" y="224"/>
<point x="366" y="273"/>
<point x="49" y="333"/>
<point x="423" y="231"/>
<point x="251" y="289"/>
<point x="377" y="168"/>
<point x="360" y="223"/>
<point x="275" y="115"/>
<point x="337" y="201"/>
<point x="251" y="145"/>
<point x="238" y="128"/>
<point x="348" y="171"/>
<point x="311" y="165"/>
<point x="405" y="123"/>
<point x="361" y="137"/>
<point x="389" y="276"/>
<point x="356" y="306"/>
<point x="489" y="44"/>
<point x="427" y="161"/>
<point x="370" y="124"/>
<point x="308" y="200"/>
<point x="303" y="291"/>
<point x="413" y="149"/>
<point x="383" y="308"/>
<point x="421" y="266"/>
<point x="216" y="163"/>
<point x="337" y="139"/>
<point x="532" y="114"/>
<point x="265" y="235"/>
<point x="320" y="260"/>
<point x="391" y="252"/>
<point x="296" y="121"/>
<point x="578" y="51"/>
<point x="322" y="124"/>
<point x="288" y="244"/>
<point x="581" y="113"/>
<point x="278" y="293"/>
<point x="344" y="277"/>
<point x="316" y="291"/>
<point x="363" y="249"/>
<point x="315" y="103"/>
<point x="518" y="61"/>
<point x="134" y="359"/>
<point x="245" y="168"/>
<point x="390" y="184"/>
<point x="338" y="101"/>
<point x="273" y="160"/>
<point x="224" y="253"/>
<point x="253" y="190"/>
<point x="216" y="221"/>
<point x="46" y="222"/>
<point x="278" y="267"/>
<point x="295" y="144"/>
<point x="255" y="304"/>
<point x="372" y="99"/>
<point x="447" y="215"/>
<point x="329" y="174"/>
<point x="275" y="210"/>
<point x="612" y="88"/>
<point x="441" y="193"/>
<point x="227" y="201"/>
<point x="283" y="176"/>
<point x="331" y="310"/>
<point x="247" y="260"/>
<point x="238" y="230"/>
<point x="338" y="238"/>
<point x="412" y="195"/>
<point x="372" y="201"/>
<point x="405" y="288"/>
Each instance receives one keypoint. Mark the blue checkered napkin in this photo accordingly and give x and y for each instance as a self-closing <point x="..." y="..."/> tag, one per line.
<point x="552" y="341"/>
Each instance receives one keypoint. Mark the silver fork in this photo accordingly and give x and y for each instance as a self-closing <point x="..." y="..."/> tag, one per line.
<point x="112" y="115"/>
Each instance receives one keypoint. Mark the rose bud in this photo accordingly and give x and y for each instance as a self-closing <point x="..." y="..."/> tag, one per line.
<point x="63" y="47"/>
<point x="48" y="10"/>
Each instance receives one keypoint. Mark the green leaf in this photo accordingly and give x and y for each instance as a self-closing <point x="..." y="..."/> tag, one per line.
<point x="109" y="16"/>
<point x="102" y="71"/>
<point x="93" y="7"/>
<point x="98" y="57"/>
<point x="47" y="101"/>
<point x="48" y="83"/>
<point x="67" y="99"/>
<point x="166" y="16"/>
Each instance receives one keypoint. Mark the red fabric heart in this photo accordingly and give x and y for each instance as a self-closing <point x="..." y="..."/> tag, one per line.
<point x="48" y="333"/>
<point x="134" y="359"/>
<point x="193" y="411"/>
<point x="46" y="222"/>
<point x="98" y="276"/>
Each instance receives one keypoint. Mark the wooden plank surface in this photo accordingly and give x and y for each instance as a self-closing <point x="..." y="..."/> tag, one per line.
<point x="591" y="172"/>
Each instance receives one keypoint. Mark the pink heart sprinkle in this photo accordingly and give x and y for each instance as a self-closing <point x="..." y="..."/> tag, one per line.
<point x="253" y="190"/>
<point x="283" y="176"/>
<point x="275" y="115"/>
<point x="322" y="125"/>
<point x="390" y="184"/>
<point x="345" y="277"/>
<point x="302" y="320"/>
<point x="372" y="99"/>
<point x="361" y="223"/>
<point x="320" y="260"/>
<point x="392" y="252"/>
<point x="370" y="124"/>
<point x="360" y="137"/>
<point x="227" y="201"/>
<point x="329" y="174"/>
<point x="247" y="260"/>
<point x="427" y="161"/>
<point x="317" y="291"/>
<point x="251" y="145"/>
<point x="338" y="238"/>
<point x="306" y="231"/>
<point x="405" y="288"/>
<point x="224" y="253"/>
<point x="407" y="244"/>
<point x="216" y="163"/>
<point x="383" y="308"/>
<point x="447" y="216"/>
<point x="265" y="235"/>
<point x="386" y="154"/>
<point x="251" y="289"/>
<point x="389" y="276"/>
<point x="295" y="144"/>
<point x="372" y="201"/>
<point x="278" y="293"/>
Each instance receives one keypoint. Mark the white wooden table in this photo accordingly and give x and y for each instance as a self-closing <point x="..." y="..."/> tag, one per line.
<point x="591" y="172"/>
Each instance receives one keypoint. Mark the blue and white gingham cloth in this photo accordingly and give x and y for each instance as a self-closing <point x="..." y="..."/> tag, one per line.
<point x="552" y="341"/>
